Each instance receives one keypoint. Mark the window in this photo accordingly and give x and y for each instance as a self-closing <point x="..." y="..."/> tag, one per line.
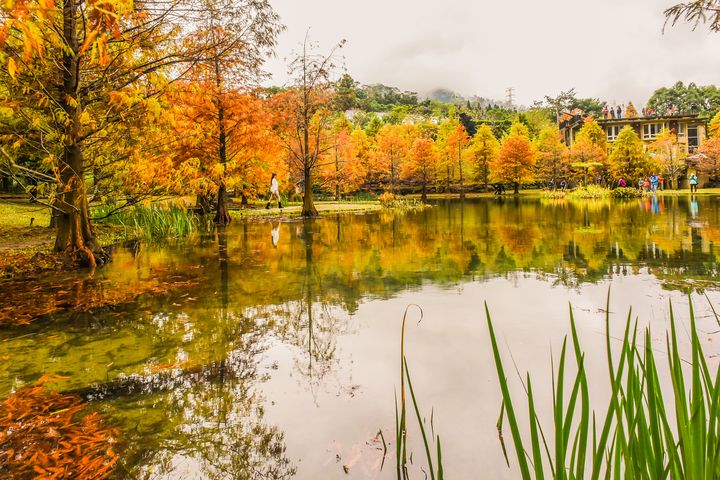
<point x="612" y="132"/>
<point x="651" y="130"/>
<point x="692" y="136"/>
<point x="681" y="130"/>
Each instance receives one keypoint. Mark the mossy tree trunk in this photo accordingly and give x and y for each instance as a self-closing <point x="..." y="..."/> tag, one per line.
<point x="74" y="233"/>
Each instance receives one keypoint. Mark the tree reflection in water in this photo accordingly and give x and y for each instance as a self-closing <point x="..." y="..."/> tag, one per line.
<point x="175" y="361"/>
<point x="205" y="421"/>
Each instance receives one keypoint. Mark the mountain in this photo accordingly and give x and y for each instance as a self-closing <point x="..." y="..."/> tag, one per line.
<point x="445" y="95"/>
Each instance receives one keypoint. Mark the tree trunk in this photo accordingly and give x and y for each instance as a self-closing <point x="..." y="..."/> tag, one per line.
<point x="424" y="192"/>
<point x="462" y="187"/>
<point x="74" y="234"/>
<point x="337" y="176"/>
<point x="222" y="214"/>
<point x="203" y="203"/>
<point x="6" y="183"/>
<point x="516" y="188"/>
<point x="308" y="209"/>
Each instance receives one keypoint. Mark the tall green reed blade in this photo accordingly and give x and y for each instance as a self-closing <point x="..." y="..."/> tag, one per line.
<point x="420" y="423"/>
<point x="507" y="401"/>
<point x="534" y="439"/>
<point x="584" y="425"/>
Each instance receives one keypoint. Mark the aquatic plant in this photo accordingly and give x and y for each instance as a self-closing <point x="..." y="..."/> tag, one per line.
<point x="388" y="200"/>
<point x="401" y="421"/>
<point x="590" y="191"/>
<point x="642" y="433"/>
<point x="627" y="192"/>
<point x="154" y="222"/>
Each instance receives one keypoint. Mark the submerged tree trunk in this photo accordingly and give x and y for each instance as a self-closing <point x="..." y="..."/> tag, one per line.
<point x="308" y="209"/>
<point x="74" y="234"/>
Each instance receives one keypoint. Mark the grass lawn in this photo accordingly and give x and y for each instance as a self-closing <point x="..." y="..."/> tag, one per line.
<point x="18" y="213"/>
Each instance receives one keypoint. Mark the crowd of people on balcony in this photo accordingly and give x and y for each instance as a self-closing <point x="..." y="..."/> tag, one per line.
<point x="621" y="111"/>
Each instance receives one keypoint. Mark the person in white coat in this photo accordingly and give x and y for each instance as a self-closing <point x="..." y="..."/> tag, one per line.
<point x="274" y="191"/>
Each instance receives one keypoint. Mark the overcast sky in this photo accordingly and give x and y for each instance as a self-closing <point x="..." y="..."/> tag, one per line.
<point x="611" y="49"/>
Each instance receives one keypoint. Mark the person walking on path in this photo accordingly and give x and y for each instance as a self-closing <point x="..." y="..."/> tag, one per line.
<point x="693" y="180"/>
<point x="274" y="191"/>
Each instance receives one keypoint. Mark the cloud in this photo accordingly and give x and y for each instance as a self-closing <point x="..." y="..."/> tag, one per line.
<point x="614" y="50"/>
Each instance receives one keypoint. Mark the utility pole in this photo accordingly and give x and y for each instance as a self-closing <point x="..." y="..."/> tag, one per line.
<point x="509" y="95"/>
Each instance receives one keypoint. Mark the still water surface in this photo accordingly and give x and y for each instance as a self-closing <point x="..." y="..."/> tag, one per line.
<point x="271" y="350"/>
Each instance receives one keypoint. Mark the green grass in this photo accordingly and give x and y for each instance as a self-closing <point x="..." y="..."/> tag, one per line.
<point x="19" y="214"/>
<point x="151" y="223"/>
<point x="642" y="433"/>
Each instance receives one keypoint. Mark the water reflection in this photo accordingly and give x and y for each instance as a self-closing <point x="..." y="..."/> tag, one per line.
<point x="173" y="344"/>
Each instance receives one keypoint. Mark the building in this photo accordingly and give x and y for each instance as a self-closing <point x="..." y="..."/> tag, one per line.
<point x="691" y="130"/>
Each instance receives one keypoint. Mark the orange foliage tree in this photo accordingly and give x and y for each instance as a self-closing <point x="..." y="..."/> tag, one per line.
<point x="552" y="161"/>
<point x="303" y="117"/>
<point x="711" y="163"/>
<point x="215" y="153"/>
<point x="516" y="158"/>
<point x="589" y="151"/>
<point x="421" y="165"/>
<point x="457" y="142"/>
<point x="393" y="146"/>
<point x="669" y="156"/>
<point x="342" y="167"/>
<point x="238" y="36"/>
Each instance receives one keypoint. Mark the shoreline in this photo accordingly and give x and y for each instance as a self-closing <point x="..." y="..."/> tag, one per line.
<point x="26" y="240"/>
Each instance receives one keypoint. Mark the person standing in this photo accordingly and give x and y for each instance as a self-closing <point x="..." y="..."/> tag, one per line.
<point x="274" y="191"/>
<point x="622" y="183"/>
<point x="654" y="182"/>
<point x="618" y="112"/>
<point x="693" y="180"/>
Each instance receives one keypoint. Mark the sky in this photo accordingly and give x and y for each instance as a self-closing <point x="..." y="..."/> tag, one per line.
<point x="614" y="50"/>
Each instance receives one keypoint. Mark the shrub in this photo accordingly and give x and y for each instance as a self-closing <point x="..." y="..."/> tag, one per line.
<point x="627" y="192"/>
<point x="590" y="191"/>
<point x="386" y="199"/>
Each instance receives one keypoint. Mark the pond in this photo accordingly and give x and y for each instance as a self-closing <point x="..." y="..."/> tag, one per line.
<point x="272" y="349"/>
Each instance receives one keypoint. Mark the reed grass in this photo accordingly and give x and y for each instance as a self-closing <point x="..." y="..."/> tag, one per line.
<point x="401" y="455"/>
<point x="154" y="222"/>
<point x="642" y="433"/>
